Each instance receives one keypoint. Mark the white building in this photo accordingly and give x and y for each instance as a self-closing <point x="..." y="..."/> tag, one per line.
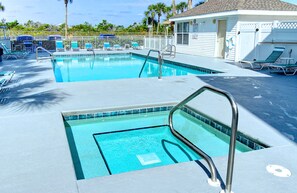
<point x="236" y="29"/>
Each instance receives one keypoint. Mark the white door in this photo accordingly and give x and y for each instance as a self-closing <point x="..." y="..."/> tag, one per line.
<point x="221" y="38"/>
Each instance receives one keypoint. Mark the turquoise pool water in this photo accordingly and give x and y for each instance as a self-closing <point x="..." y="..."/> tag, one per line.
<point x="112" y="66"/>
<point x="112" y="145"/>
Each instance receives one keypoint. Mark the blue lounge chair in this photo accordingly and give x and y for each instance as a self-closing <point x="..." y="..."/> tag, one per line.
<point x="89" y="46"/>
<point x="106" y="46"/>
<point x="117" y="47"/>
<point x="7" y="76"/>
<point x="135" y="46"/>
<point x="287" y="69"/>
<point x="272" y="58"/>
<point x="74" y="46"/>
<point x="59" y="46"/>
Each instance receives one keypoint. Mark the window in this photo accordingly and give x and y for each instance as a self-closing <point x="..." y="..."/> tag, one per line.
<point x="183" y="33"/>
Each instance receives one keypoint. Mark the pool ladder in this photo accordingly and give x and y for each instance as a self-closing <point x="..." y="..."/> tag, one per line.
<point x="42" y="58"/>
<point x="213" y="180"/>
<point x="160" y="62"/>
<point x="169" y="50"/>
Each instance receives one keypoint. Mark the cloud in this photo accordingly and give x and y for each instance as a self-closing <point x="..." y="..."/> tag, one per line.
<point x="38" y="13"/>
<point x="112" y="15"/>
<point x="125" y="12"/>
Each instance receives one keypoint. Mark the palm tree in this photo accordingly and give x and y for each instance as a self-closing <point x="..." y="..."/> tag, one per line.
<point x="190" y="4"/>
<point x="66" y="15"/>
<point x="173" y="7"/>
<point x="160" y="8"/>
<point x="181" y="7"/>
<point x="169" y="12"/>
<point x="151" y="13"/>
<point x="1" y="7"/>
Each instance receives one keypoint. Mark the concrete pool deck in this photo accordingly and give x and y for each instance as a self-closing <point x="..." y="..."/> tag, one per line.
<point x="36" y="157"/>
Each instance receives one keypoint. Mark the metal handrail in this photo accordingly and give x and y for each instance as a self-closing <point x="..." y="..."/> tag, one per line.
<point x="232" y="137"/>
<point x="42" y="48"/>
<point x="171" y="51"/>
<point x="160" y="61"/>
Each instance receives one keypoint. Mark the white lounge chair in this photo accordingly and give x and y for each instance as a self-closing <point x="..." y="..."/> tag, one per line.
<point x="287" y="69"/>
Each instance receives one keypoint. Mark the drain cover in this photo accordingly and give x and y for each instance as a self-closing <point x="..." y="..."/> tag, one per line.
<point x="278" y="170"/>
<point x="147" y="159"/>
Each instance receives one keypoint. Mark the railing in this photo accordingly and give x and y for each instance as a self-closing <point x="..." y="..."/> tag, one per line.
<point x="170" y="52"/>
<point x="42" y="58"/>
<point x="213" y="181"/>
<point x="160" y="61"/>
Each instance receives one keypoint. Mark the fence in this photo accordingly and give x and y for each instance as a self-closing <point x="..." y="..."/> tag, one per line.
<point x="256" y="40"/>
<point x="95" y="40"/>
<point x="157" y="43"/>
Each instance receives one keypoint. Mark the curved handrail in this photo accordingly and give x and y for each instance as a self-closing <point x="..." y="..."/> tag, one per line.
<point x="171" y="50"/>
<point x="42" y="48"/>
<point x="232" y="137"/>
<point x="159" y="61"/>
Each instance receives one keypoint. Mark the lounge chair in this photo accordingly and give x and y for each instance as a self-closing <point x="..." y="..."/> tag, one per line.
<point x="10" y="54"/>
<point x="2" y="83"/>
<point x="106" y="46"/>
<point x="117" y="47"/>
<point x="272" y="58"/>
<point x="135" y="46"/>
<point x="74" y="46"/>
<point x="89" y="46"/>
<point x="59" y="46"/>
<point x="287" y="69"/>
<point x="7" y="76"/>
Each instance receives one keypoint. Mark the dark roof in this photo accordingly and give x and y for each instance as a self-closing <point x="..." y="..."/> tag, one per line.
<point x="216" y="6"/>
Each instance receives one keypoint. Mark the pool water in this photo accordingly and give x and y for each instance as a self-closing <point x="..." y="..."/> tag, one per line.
<point x="112" y="66"/>
<point x="112" y="145"/>
<point x="142" y="148"/>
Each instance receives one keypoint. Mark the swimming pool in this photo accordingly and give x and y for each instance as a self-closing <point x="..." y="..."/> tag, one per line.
<point x="115" y="66"/>
<point x="109" y="143"/>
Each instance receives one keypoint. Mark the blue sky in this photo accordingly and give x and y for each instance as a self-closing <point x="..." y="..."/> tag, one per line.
<point x="120" y="12"/>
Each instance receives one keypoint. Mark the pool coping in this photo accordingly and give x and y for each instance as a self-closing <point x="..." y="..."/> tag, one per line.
<point x="250" y="167"/>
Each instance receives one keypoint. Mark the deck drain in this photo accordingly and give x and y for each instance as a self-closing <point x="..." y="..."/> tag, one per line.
<point x="278" y="170"/>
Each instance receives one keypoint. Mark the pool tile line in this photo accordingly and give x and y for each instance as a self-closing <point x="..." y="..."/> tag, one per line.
<point x="244" y="139"/>
<point x="69" y="55"/>
<point x="241" y="137"/>
<point x="117" y="113"/>
<point x="208" y="71"/>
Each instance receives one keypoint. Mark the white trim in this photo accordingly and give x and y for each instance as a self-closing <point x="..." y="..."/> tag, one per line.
<point x="240" y="12"/>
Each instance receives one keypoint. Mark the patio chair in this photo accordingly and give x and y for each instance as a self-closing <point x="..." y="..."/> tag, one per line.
<point x="106" y="46"/>
<point x="7" y="76"/>
<point x="117" y="47"/>
<point x="272" y="58"/>
<point x="89" y="46"/>
<point x="135" y="46"/>
<point x="74" y="46"/>
<point x="8" y="54"/>
<point x="287" y="69"/>
<point x="59" y="46"/>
